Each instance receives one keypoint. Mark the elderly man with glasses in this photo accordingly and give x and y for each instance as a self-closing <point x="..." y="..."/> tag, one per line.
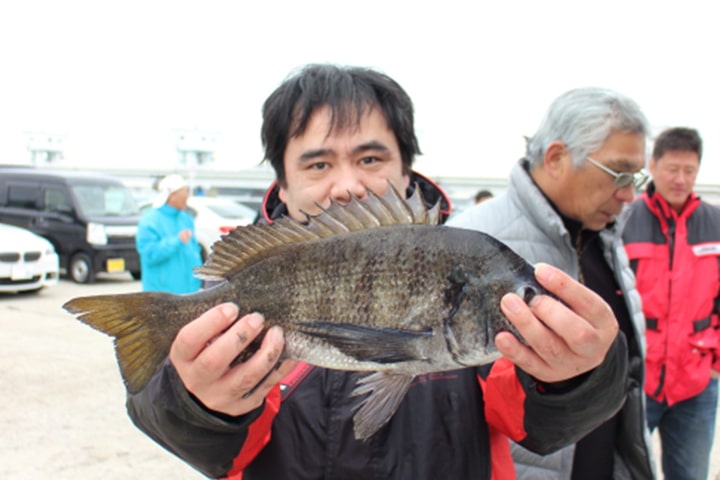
<point x="584" y="163"/>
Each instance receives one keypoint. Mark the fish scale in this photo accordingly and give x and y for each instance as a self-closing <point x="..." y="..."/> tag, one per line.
<point x="374" y="286"/>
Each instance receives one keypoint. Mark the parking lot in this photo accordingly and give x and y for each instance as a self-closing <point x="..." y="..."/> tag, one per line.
<point x="63" y="414"/>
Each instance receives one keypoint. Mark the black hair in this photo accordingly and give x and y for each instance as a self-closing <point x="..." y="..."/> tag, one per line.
<point x="482" y="195"/>
<point x="350" y="93"/>
<point x="678" y="139"/>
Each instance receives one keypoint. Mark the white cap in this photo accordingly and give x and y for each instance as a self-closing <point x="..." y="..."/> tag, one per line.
<point x="170" y="184"/>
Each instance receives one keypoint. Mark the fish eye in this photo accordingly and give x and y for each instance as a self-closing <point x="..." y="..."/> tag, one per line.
<point x="527" y="293"/>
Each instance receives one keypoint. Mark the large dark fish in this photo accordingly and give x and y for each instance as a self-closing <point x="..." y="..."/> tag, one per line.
<point x="374" y="285"/>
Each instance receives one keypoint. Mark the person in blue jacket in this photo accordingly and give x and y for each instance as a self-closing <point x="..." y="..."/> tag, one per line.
<point x="166" y="241"/>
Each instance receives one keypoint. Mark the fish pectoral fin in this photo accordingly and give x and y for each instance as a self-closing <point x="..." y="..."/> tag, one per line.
<point x="385" y="391"/>
<point x="371" y="344"/>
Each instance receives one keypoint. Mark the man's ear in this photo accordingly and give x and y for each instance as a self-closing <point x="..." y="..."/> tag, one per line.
<point x="555" y="160"/>
<point x="652" y="163"/>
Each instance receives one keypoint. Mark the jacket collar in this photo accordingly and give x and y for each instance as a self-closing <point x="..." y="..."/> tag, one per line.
<point x="660" y="207"/>
<point x="541" y="209"/>
<point x="169" y="210"/>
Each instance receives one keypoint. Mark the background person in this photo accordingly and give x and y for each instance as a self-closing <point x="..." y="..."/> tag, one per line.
<point x="328" y="132"/>
<point x="166" y="241"/>
<point x="582" y="165"/>
<point x="481" y="196"/>
<point x="673" y="241"/>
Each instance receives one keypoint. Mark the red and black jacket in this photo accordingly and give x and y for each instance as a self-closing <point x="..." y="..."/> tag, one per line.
<point x="676" y="259"/>
<point x="451" y="424"/>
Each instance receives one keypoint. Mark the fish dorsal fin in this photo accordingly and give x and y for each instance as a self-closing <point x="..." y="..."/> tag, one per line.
<point x="246" y="245"/>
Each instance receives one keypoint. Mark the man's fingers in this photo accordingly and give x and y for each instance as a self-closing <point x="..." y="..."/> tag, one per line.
<point x="192" y="339"/>
<point x="246" y="384"/>
<point x="584" y="320"/>
<point x="259" y="372"/>
<point x="218" y="355"/>
<point x="580" y="299"/>
<point x="540" y="336"/>
<point x="524" y="357"/>
<point x="565" y="336"/>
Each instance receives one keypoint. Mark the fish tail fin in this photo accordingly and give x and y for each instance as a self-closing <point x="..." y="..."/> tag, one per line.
<point x="130" y="319"/>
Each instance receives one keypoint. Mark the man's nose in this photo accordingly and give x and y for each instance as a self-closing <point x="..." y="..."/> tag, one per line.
<point x="683" y="178"/>
<point x="346" y="186"/>
<point x="626" y="194"/>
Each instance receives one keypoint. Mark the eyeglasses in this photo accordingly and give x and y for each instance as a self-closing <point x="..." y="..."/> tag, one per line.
<point x="623" y="179"/>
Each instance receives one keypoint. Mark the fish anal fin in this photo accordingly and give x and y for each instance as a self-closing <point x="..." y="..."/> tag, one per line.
<point x="385" y="391"/>
<point x="369" y="344"/>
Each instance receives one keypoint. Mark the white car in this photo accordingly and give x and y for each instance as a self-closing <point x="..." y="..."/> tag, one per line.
<point x="28" y="262"/>
<point x="216" y="216"/>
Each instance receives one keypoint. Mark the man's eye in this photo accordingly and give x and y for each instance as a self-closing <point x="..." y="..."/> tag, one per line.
<point x="369" y="160"/>
<point x="318" y="166"/>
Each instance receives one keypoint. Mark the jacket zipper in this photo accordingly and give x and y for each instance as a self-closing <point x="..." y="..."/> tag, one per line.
<point x="671" y="246"/>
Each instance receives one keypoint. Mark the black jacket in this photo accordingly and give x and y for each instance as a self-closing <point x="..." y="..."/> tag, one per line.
<point x="450" y="424"/>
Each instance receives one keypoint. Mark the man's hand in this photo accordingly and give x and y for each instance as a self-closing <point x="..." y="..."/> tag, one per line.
<point x="185" y="235"/>
<point x="204" y="349"/>
<point x="563" y="340"/>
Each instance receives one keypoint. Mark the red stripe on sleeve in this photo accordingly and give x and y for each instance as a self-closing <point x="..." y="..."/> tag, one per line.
<point x="258" y="434"/>
<point x="504" y="400"/>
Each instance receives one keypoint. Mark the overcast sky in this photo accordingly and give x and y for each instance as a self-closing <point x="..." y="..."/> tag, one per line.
<point x="117" y="78"/>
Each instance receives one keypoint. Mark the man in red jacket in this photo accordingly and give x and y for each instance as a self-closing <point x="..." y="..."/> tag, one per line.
<point x="673" y="241"/>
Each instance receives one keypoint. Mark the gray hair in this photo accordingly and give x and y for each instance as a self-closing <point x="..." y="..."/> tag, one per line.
<point x="583" y="119"/>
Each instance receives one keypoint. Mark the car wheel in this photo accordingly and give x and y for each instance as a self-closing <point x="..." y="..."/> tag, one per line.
<point x="136" y="275"/>
<point x="81" y="268"/>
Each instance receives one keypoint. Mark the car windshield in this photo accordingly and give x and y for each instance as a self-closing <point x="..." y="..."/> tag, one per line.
<point x="231" y="210"/>
<point x="108" y="200"/>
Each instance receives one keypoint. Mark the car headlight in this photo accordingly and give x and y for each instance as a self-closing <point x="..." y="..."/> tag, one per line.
<point x="96" y="234"/>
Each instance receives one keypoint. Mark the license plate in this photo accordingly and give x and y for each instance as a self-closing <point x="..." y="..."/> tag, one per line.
<point x="115" y="265"/>
<point x="20" y="273"/>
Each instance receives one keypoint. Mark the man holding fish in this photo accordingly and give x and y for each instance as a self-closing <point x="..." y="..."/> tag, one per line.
<point x="333" y="135"/>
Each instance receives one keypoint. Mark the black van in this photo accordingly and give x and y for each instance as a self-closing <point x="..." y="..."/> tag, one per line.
<point x="91" y="219"/>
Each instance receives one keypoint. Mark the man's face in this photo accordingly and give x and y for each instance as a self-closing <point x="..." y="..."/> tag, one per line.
<point x="322" y="165"/>
<point x="674" y="176"/>
<point x="588" y="193"/>
<point x="179" y="198"/>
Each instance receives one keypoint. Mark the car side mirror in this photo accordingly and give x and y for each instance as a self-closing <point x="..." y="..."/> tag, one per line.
<point x="65" y="209"/>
